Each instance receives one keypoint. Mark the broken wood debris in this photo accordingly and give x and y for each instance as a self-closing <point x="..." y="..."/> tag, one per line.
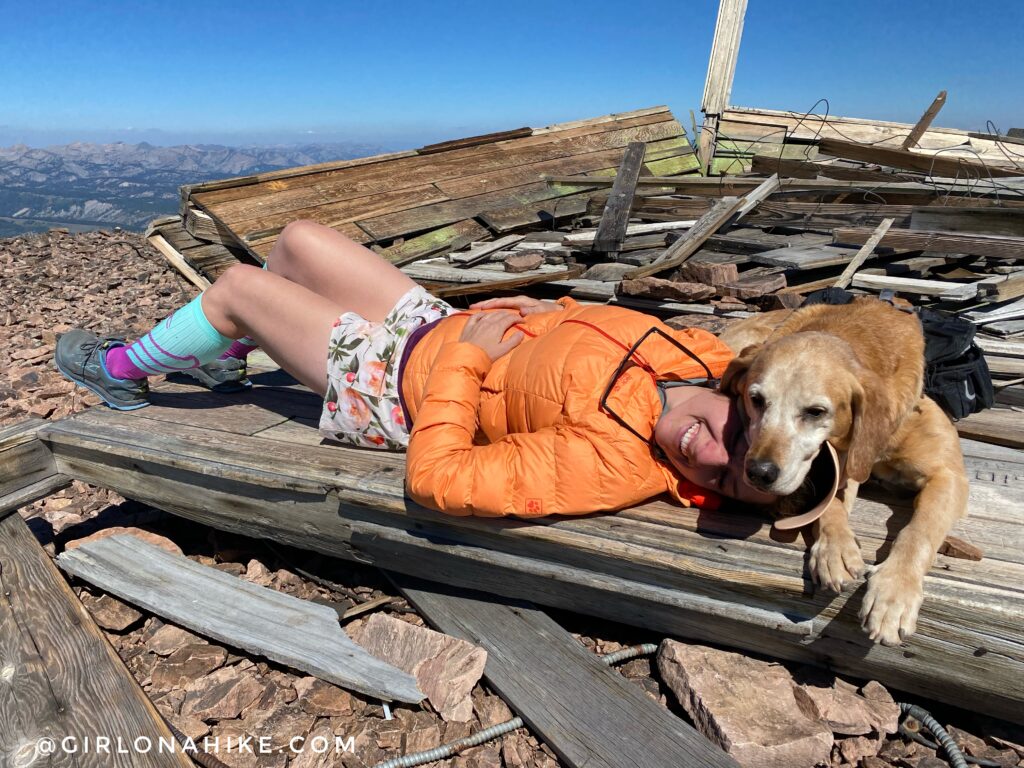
<point x="295" y="632"/>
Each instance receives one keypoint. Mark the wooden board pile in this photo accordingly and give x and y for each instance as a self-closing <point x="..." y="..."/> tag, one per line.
<point x="615" y="209"/>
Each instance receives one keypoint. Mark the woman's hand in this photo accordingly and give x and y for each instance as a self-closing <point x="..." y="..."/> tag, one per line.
<point x="487" y="329"/>
<point x="523" y="304"/>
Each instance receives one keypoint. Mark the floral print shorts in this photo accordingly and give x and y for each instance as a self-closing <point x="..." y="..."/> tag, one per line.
<point x="362" y="406"/>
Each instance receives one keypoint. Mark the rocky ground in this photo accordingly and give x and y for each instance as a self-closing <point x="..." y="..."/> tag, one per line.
<point x="114" y="283"/>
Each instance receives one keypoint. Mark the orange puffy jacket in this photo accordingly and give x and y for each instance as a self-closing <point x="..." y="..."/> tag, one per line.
<point x="525" y="435"/>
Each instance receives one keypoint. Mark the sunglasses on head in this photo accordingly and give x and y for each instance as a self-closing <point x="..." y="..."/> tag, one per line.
<point x="633" y="357"/>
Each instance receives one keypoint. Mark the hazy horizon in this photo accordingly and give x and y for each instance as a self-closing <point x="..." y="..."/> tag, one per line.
<point x="408" y="73"/>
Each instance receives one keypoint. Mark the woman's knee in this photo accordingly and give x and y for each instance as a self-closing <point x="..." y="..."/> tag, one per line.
<point x="299" y="239"/>
<point x="237" y="282"/>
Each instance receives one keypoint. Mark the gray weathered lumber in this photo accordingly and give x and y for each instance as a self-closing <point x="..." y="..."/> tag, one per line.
<point x="586" y="237"/>
<point x="762" y="192"/>
<point x="579" y="706"/>
<point x="301" y="634"/>
<point x="612" y="227"/>
<point x="940" y="289"/>
<point x="725" y="48"/>
<point x="714" y="577"/>
<point x="993" y="246"/>
<point x="925" y="121"/>
<point x="481" y="251"/>
<point x="988" y="220"/>
<point x="864" y="253"/>
<point x="59" y="677"/>
<point x="694" y="238"/>
<point x="24" y="459"/>
<point x="804" y="257"/>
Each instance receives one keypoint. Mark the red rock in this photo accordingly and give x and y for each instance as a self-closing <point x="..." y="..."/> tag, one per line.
<point x="322" y="699"/>
<point x="845" y="711"/>
<point x="221" y="695"/>
<point x="524" y="261"/>
<point x="170" y="638"/>
<point x="187" y="664"/>
<point x="657" y="288"/>
<point x="109" y="612"/>
<point x="744" y="705"/>
<point x="858" y="747"/>
<point x="446" y="668"/>
<point x="958" y="548"/>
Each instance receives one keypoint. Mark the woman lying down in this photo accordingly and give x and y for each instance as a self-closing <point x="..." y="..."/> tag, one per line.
<point x="515" y="407"/>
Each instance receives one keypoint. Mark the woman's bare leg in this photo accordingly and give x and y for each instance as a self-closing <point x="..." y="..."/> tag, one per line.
<point x="290" y="322"/>
<point x="338" y="268"/>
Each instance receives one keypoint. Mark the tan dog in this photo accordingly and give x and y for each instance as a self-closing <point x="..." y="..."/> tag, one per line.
<point x="851" y="375"/>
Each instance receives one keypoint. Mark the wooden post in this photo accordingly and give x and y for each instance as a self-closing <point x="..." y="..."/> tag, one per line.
<point x="721" y="68"/>
<point x="612" y="228"/>
<point x="925" y="121"/>
<point x="864" y="253"/>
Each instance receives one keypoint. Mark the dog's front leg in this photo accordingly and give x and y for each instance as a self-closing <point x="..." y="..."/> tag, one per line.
<point x="896" y="587"/>
<point x="835" y="554"/>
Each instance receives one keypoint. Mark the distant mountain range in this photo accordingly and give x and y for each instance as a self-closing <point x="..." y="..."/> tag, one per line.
<point x="88" y="186"/>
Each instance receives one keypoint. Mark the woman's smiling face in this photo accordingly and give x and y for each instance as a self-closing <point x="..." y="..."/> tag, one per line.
<point x="702" y="437"/>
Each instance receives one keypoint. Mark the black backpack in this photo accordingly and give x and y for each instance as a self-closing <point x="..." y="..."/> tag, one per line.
<point x="956" y="375"/>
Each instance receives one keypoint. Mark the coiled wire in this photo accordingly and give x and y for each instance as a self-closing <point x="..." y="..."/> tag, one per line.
<point x="956" y="757"/>
<point x="454" y="747"/>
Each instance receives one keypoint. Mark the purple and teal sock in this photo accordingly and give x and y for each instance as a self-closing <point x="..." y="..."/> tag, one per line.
<point x="243" y="346"/>
<point x="182" y="341"/>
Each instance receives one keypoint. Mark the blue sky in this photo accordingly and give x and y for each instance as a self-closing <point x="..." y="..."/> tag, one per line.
<point x="398" y="74"/>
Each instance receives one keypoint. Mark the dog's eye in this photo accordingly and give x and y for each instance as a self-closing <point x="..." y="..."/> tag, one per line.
<point x="757" y="400"/>
<point x="814" y="412"/>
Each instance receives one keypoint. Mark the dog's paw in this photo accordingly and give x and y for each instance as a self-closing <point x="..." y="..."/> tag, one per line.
<point x="835" y="558"/>
<point x="891" y="602"/>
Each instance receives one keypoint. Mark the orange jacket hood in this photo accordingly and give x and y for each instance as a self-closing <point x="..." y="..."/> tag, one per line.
<point x="525" y="435"/>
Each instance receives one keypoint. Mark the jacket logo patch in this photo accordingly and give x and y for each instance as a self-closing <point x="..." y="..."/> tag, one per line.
<point x="534" y="507"/>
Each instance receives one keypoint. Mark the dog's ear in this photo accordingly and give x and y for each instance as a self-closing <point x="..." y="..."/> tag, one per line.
<point x="736" y="373"/>
<point x="874" y="423"/>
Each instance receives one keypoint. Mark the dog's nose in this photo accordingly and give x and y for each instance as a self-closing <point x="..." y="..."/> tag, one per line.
<point x="762" y="473"/>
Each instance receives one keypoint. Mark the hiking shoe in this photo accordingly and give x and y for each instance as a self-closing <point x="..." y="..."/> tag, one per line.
<point x="80" y="356"/>
<point x="227" y="375"/>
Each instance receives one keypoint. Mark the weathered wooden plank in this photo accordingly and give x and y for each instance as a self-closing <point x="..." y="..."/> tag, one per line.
<point x="414" y="219"/>
<point x="987" y="220"/>
<point x="746" y="122"/>
<point x="939" y="289"/>
<point x="809" y="169"/>
<point x="694" y="238"/>
<point x="612" y="227"/>
<point x="24" y="459"/>
<point x="993" y="246"/>
<point x="177" y="261"/>
<point x="586" y="237"/>
<point x="288" y="197"/>
<point x="1002" y="426"/>
<point x="25" y="495"/>
<point x="931" y="164"/>
<point x="480" y="252"/>
<point x="438" y="241"/>
<point x="564" y="693"/>
<point x="547" y="212"/>
<point x="474" y="141"/>
<point x="61" y="678"/>
<point x="336" y="212"/>
<point x="748" y="591"/>
<point x="668" y="156"/>
<point x="864" y="253"/>
<point x="504" y="284"/>
<point x="301" y="634"/>
<point x="804" y="257"/>
<point x="926" y="120"/>
<point x="241" y="187"/>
